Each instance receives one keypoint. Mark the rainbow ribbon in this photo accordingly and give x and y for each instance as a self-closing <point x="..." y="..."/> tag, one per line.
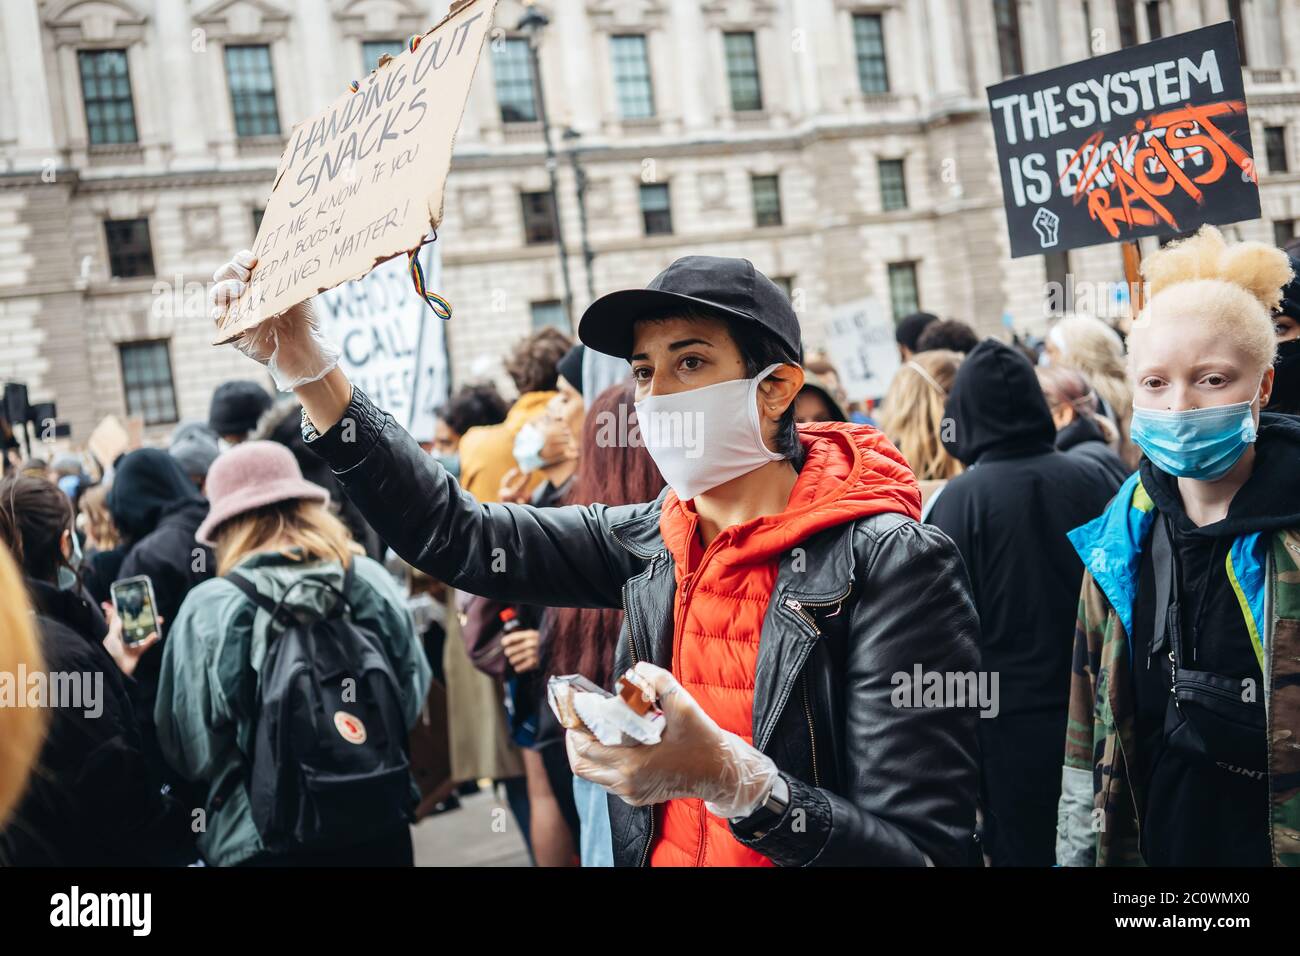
<point x="441" y="307"/>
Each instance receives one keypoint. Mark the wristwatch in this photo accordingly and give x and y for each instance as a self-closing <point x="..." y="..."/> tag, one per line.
<point x="769" y="812"/>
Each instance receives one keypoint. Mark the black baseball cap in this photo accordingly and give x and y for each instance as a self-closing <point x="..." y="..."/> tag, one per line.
<point x="714" y="285"/>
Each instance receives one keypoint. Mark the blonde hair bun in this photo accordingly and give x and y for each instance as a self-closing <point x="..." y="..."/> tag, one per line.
<point x="1260" y="269"/>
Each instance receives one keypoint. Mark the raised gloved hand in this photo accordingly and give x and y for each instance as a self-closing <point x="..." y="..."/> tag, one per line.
<point x="290" y="345"/>
<point x="694" y="758"/>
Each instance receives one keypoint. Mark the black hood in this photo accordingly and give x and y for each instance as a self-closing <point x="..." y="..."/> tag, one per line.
<point x="1286" y="379"/>
<point x="1082" y="429"/>
<point x="1266" y="502"/>
<point x="147" y="484"/>
<point x="70" y="608"/>
<point x="996" y="407"/>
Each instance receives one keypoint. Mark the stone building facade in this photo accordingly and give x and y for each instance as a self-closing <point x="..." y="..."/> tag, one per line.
<point x="842" y="145"/>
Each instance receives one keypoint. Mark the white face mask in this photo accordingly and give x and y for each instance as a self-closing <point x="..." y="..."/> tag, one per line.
<point x="706" y="436"/>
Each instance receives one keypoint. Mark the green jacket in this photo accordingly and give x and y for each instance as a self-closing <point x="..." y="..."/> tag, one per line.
<point x="207" y="690"/>
<point x="1098" y="818"/>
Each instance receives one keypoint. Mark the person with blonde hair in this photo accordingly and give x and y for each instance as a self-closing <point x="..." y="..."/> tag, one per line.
<point x="105" y="549"/>
<point x="1090" y="346"/>
<point x="1184" y="705"/>
<point x="913" y="418"/>
<point x="285" y="561"/>
<point x="21" y="728"/>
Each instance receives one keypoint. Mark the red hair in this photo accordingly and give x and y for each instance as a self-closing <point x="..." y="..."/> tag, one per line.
<point x="582" y="640"/>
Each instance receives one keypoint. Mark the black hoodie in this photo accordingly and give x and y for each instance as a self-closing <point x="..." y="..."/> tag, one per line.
<point x="1197" y="815"/>
<point x="1083" y="436"/>
<point x="1008" y="514"/>
<point x="158" y="509"/>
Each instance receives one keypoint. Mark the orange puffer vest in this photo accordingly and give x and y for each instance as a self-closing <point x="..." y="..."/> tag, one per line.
<point x="850" y="471"/>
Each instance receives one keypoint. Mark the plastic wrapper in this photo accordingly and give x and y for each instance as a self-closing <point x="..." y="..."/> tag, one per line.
<point x="693" y="758"/>
<point x="624" y="719"/>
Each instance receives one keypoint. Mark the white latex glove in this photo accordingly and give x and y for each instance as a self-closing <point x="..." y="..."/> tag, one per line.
<point x="290" y="345"/>
<point x="694" y="758"/>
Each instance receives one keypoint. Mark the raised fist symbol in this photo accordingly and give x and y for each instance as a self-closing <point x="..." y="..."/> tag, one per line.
<point x="1046" y="224"/>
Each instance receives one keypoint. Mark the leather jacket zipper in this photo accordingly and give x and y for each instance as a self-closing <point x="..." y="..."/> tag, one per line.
<point x="812" y="736"/>
<point x="631" y="641"/>
<point x="800" y="610"/>
<point x="799" y="607"/>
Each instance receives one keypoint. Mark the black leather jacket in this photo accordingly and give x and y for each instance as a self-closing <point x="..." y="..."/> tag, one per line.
<point x="870" y="783"/>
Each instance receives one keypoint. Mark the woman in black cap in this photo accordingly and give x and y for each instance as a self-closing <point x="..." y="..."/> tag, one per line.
<point x="776" y="594"/>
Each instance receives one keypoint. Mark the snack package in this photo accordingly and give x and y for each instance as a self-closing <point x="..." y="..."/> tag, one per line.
<point x="627" y="718"/>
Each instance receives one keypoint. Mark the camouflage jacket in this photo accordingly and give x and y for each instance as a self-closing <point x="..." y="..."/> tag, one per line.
<point x="1098" y="815"/>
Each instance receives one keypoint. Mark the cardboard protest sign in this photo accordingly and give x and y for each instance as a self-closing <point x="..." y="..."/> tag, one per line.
<point x="393" y="346"/>
<point x="1147" y="141"/>
<point x="363" y="181"/>
<point x="108" y="440"/>
<point x="860" y="338"/>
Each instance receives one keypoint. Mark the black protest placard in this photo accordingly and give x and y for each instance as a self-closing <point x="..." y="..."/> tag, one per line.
<point x="1151" y="140"/>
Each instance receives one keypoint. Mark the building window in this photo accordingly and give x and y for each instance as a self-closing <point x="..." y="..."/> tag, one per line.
<point x="1154" y="29"/>
<point x="1006" y="15"/>
<point x="742" y="72"/>
<point x="1283" y="232"/>
<point x="893" y="187"/>
<point x="252" y="90"/>
<point x="106" y="90"/>
<point x="539" y="217"/>
<point x="786" y="285"/>
<point x="512" y="67"/>
<point x="869" y="44"/>
<point x="147" y="381"/>
<point x="656" y="209"/>
<point x="130" y="253"/>
<point x="1235" y="15"/>
<point x="1275" y="148"/>
<point x="767" y="200"/>
<point x="257" y="219"/>
<point x="631" y="60"/>
<point x="1126" y="14"/>
<point x="903" y="295"/>
<point x="549" y="312"/>
<point x="372" y="50"/>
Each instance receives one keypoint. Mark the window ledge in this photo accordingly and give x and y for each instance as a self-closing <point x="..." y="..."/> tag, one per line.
<point x="118" y="285"/>
<point x="530" y="129"/>
<point x="109" y="154"/>
<point x="260" y="145"/>
<point x="1267" y="76"/>
<point x="650" y="125"/>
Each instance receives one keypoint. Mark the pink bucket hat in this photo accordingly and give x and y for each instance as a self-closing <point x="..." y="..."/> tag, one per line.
<point x="252" y="475"/>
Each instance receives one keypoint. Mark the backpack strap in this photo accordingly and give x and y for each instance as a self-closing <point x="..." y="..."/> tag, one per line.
<point x="272" y="608"/>
<point x="251" y="592"/>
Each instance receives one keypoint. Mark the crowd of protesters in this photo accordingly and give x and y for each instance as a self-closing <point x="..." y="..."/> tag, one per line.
<point x="355" y="630"/>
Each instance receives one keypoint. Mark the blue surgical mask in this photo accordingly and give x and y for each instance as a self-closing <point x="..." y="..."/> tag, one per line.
<point x="450" y="462"/>
<point x="68" y="569"/>
<point x="528" y="448"/>
<point x="1203" y="443"/>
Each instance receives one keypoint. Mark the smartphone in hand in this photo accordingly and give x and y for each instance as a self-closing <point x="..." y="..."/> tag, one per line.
<point x="134" y="602"/>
